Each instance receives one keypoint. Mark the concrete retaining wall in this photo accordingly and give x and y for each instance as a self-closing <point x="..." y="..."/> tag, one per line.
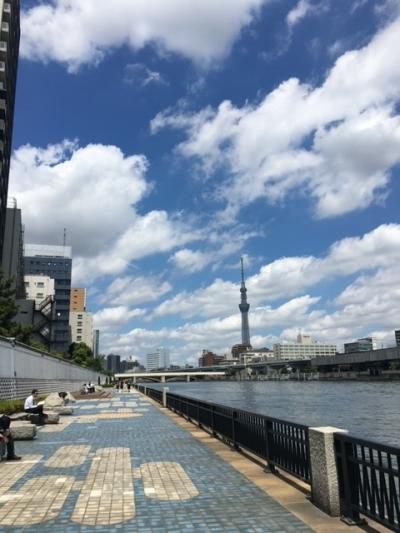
<point x="22" y="369"/>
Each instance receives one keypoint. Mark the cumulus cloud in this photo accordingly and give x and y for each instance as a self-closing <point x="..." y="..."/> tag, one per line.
<point x="190" y="260"/>
<point x="92" y="191"/>
<point x="289" y="276"/>
<point x="114" y="317"/>
<point x="134" y="290"/>
<point x="139" y="74"/>
<point x="335" y="143"/>
<point x="76" y="33"/>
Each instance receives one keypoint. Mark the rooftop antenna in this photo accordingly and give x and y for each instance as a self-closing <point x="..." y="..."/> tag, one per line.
<point x="242" y="268"/>
<point x="65" y="238"/>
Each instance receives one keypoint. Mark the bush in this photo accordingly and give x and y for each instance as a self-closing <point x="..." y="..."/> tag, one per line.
<point x="9" y="407"/>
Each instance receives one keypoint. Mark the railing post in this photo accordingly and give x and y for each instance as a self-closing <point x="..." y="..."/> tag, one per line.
<point x="324" y="475"/>
<point x="269" y="468"/>
<point x="198" y="414"/>
<point x="164" y="396"/>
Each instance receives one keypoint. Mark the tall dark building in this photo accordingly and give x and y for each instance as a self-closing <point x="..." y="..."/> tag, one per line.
<point x="113" y="363"/>
<point x="12" y="261"/>
<point x="244" y="309"/>
<point x="9" y="47"/>
<point x="54" y="262"/>
<point x="397" y="336"/>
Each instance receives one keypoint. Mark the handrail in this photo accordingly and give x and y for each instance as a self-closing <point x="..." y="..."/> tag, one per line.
<point x="281" y="443"/>
<point x="369" y="480"/>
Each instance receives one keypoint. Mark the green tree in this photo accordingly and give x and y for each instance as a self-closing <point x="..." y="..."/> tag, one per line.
<point x="8" y="312"/>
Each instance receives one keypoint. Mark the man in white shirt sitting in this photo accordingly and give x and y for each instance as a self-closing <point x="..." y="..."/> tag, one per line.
<point x="35" y="408"/>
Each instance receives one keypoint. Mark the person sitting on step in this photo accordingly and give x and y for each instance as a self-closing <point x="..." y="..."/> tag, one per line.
<point x="35" y="408"/>
<point x="7" y="438"/>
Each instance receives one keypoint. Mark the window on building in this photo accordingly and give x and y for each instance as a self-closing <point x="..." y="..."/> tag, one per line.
<point x="79" y="324"/>
<point x="40" y="285"/>
<point x="79" y="330"/>
<point x="39" y="295"/>
<point x="80" y="317"/>
<point x="78" y="338"/>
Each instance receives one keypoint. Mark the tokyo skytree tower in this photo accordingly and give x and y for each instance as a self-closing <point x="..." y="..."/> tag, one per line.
<point x="244" y="309"/>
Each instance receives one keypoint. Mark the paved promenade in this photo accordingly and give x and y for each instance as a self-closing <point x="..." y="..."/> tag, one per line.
<point x="124" y="465"/>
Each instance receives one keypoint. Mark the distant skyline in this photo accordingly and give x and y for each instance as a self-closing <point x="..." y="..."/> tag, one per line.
<point x="170" y="138"/>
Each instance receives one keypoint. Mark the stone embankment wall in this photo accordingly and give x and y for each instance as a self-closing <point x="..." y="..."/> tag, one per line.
<point x="22" y="369"/>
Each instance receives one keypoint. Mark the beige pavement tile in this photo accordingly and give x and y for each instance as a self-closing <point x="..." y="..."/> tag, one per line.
<point x="107" y="495"/>
<point x="11" y="472"/>
<point x="167" y="481"/>
<point x="68" y="456"/>
<point x="39" y="500"/>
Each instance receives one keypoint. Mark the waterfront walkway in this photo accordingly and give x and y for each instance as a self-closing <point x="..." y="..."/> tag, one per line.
<point x="126" y="465"/>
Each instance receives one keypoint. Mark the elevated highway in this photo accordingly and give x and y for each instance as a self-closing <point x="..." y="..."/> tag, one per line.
<point x="165" y="376"/>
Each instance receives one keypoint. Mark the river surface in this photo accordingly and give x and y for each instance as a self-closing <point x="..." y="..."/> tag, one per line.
<point x="367" y="409"/>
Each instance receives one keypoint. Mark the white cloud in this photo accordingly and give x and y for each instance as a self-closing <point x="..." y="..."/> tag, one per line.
<point x="134" y="290"/>
<point x="92" y="191"/>
<point x="76" y="33"/>
<point x="114" y="317"/>
<point x="289" y="276"/>
<point x="303" y="9"/>
<point x="139" y="74"/>
<point x="189" y="260"/>
<point x="155" y="232"/>
<point x="336" y="143"/>
<point x="87" y="190"/>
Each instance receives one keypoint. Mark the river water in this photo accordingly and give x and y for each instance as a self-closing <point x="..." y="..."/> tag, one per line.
<point x="367" y="409"/>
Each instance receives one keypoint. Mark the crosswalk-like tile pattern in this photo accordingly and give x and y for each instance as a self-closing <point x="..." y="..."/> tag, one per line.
<point x="39" y="500"/>
<point x="11" y="472"/>
<point x="107" y="495"/>
<point x="68" y="456"/>
<point x="167" y="481"/>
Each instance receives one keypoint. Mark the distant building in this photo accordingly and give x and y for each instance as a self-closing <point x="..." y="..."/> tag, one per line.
<point x="157" y="359"/>
<point x="81" y="327"/>
<point x="210" y="359"/>
<point x="10" y="32"/>
<point x="238" y="349"/>
<point x="361" y="345"/>
<point x="397" y="335"/>
<point x="38" y="288"/>
<point x="256" y="356"/>
<point x="77" y="300"/>
<point x="54" y="262"/>
<point x="96" y="342"/>
<point x="12" y="261"/>
<point x="305" y="348"/>
<point x="113" y="363"/>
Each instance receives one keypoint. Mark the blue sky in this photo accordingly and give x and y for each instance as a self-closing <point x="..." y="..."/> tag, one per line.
<point x="170" y="138"/>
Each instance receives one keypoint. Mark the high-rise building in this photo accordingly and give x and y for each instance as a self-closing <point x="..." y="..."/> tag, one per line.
<point x="9" y="47"/>
<point x="397" y="336"/>
<point x="244" y="310"/>
<point x="96" y="342"/>
<point x="12" y="261"/>
<point x="81" y="327"/>
<point x="157" y="359"/>
<point x="54" y="262"/>
<point x="361" y="345"/>
<point x="113" y="363"/>
<point x="77" y="300"/>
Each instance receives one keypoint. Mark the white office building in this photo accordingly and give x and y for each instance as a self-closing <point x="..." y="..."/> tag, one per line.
<point x="38" y="288"/>
<point x="304" y="348"/>
<point x="158" y="359"/>
<point x="81" y="327"/>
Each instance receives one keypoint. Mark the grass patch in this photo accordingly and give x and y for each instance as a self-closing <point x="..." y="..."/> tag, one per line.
<point x="9" y="407"/>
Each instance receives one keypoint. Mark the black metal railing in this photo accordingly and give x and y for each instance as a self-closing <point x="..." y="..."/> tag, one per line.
<point x="369" y="480"/>
<point x="280" y="443"/>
